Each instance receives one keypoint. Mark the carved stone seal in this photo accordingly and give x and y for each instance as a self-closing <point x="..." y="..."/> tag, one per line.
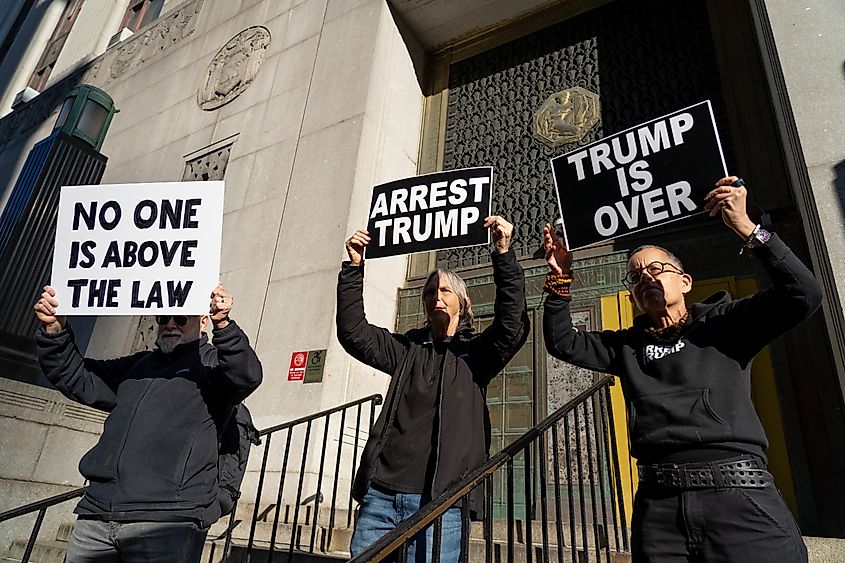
<point x="566" y="116"/>
<point x="233" y="68"/>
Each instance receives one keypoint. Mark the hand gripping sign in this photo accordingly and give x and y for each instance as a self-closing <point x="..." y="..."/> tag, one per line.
<point x="137" y="249"/>
<point x="430" y="212"/>
<point x="649" y="175"/>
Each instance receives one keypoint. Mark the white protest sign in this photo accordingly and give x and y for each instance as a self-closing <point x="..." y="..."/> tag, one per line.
<point x="430" y="212"/>
<point x="652" y="174"/>
<point x="137" y="249"/>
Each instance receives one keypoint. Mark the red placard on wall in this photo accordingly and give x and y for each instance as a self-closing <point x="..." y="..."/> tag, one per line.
<point x="297" y="366"/>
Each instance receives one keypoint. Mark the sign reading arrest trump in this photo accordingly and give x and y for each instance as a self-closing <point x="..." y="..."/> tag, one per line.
<point x="649" y="175"/>
<point x="430" y="212"/>
<point x="137" y="249"/>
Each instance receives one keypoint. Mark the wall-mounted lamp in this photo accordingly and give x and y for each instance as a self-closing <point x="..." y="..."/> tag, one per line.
<point x="86" y="114"/>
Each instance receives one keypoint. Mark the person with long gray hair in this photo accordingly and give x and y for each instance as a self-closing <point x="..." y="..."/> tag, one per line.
<point x="434" y="427"/>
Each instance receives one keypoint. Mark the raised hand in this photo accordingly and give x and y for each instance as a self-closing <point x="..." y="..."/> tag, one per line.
<point x="730" y="201"/>
<point x="557" y="255"/>
<point x="45" y="310"/>
<point x="355" y="246"/>
<point x="502" y="232"/>
<point x="221" y="304"/>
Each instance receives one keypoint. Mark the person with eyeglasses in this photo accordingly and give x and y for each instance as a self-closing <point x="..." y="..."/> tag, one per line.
<point x="704" y="491"/>
<point x="152" y="476"/>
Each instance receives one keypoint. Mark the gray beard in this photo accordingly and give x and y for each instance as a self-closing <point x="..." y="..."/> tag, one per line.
<point x="168" y="344"/>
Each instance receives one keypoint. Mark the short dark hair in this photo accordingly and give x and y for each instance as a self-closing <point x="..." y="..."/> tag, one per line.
<point x="674" y="260"/>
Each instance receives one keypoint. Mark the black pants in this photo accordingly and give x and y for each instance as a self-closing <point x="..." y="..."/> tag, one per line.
<point x="714" y="525"/>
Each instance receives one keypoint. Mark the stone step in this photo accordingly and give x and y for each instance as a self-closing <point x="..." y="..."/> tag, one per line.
<point x="267" y="512"/>
<point x="500" y="533"/>
<point x="261" y="555"/>
<point x="478" y="552"/>
<point x="44" y="551"/>
<point x="64" y="531"/>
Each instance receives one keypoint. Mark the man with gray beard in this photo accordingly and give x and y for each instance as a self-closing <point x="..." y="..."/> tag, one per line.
<point x="153" y="480"/>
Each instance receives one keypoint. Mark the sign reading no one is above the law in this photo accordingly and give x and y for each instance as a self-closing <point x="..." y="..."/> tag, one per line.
<point x="640" y="178"/>
<point x="430" y="212"/>
<point x="137" y="249"/>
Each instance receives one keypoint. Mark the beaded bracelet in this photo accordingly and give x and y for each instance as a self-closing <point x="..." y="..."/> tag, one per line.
<point x="558" y="284"/>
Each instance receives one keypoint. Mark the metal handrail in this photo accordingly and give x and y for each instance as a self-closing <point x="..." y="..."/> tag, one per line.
<point x="295" y="542"/>
<point x="376" y="398"/>
<point x="42" y="504"/>
<point x="41" y="507"/>
<point x="433" y="510"/>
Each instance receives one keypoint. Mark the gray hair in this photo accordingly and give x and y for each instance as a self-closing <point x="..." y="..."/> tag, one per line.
<point x="674" y="260"/>
<point x="460" y="288"/>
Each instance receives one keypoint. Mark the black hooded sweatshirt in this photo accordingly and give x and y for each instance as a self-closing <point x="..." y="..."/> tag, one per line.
<point x="690" y="400"/>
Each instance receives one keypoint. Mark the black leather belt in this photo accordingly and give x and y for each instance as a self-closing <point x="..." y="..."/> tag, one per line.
<point x="745" y="473"/>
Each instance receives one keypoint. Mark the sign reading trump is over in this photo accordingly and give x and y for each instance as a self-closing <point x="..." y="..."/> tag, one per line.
<point x="137" y="249"/>
<point x="430" y="212"/>
<point x="649" y="175"/>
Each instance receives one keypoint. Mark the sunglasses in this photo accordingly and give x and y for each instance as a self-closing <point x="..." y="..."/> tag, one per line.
<point x="180" y="320"/>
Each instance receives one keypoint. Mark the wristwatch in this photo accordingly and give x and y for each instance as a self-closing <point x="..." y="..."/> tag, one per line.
<point x="758" y="237"/>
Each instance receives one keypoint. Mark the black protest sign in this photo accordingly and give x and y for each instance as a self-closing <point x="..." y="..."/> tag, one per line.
<point x="430" y="212"/>
<point x="649" y="175"/>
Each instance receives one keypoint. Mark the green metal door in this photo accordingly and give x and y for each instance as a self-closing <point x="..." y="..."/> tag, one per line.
<point x="510" y="399"/>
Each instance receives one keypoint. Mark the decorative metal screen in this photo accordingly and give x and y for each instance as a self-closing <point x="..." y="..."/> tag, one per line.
<point x="209" y="166"/>
<point x="644" y="59"/>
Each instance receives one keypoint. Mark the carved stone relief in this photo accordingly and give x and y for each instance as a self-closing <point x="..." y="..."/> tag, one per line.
<point x="150" y="43"/>
<point x="566" y="116"/>
<point x="233" y="68"/>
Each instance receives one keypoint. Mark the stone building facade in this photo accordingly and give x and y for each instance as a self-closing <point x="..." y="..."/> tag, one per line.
<point x="302" y="106"/>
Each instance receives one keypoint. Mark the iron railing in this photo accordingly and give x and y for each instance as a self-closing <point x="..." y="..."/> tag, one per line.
<point x="360" y="413"/>
<point x="298" y="532"/>
<point x="39" y="506"/>
<point x="586" y="493"/>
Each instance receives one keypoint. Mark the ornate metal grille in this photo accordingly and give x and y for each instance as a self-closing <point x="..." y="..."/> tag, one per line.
<point x="210" y="166"/>
<point x="644" y="59"/>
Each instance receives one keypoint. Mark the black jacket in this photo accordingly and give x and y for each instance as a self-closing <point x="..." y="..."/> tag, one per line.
<point x="463" y="438"/>
<point x="694" y="394"/>
<point x="157" y="457"/>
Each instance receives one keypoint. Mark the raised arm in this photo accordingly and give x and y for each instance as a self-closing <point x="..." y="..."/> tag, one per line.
<point x="498" y="343"/>
<point x="372" y="345"/>
<point x="794" y="295"/>
<point x="591" y="350"/>
<point x="90" y="382"/>
<point x="238" y="372"/>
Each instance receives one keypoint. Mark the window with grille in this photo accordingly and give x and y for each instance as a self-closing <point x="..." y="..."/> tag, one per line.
<point x="140" y="13"/>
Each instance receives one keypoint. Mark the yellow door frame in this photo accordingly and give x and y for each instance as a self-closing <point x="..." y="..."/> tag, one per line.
<point x="617" y="312"/>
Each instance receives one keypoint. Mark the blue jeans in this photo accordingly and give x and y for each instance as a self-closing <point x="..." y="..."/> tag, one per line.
<point x="381" y="511"/>
<point x="98" y="541"/>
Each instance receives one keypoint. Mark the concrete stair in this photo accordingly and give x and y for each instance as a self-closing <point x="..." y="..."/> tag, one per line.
<point x="44" y="550"/>
<point x="329" y="543"/>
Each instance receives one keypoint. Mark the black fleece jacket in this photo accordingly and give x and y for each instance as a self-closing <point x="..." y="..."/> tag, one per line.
<point x="463" y="436"/>
<point x="691" y="400"/>
<point x="157" y="457"/>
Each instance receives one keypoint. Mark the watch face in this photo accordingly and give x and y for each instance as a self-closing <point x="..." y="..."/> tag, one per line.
<point x="760" y="238"/>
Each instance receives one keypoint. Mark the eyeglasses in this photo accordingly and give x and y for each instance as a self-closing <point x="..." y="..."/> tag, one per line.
<point x="180" y="320"/>
<point x="654" y="269"/>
